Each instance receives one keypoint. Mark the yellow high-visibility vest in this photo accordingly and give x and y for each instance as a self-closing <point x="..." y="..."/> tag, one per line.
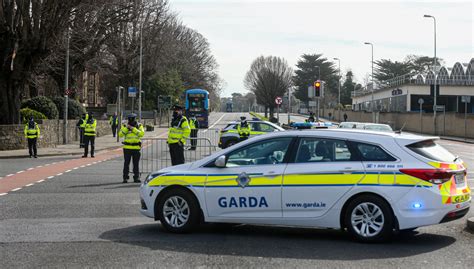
<point x="32" y="133"/>
<point x="89" y="128"/>
<point x="180" y="132"/>
<point x="132" y="138"/>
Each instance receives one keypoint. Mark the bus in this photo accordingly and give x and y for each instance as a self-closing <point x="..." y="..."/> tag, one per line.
<point x="197" y="105"/>
<point x="228" y="107"/>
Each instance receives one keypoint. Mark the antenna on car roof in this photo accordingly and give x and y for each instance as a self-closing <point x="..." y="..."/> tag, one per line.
<point x="401" y="129"/>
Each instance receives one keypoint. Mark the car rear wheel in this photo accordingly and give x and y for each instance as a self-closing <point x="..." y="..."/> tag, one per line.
<point x="178" y="211"/>
<point x="369" y="218"/>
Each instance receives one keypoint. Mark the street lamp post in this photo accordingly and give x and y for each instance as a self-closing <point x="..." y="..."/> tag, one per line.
<point x="317" y="99"/>
<point x="435" y="74"/>
<point x="66" y="91"/>
<point x="140" y="76"/>
<point x="373" y="85"/>
<point x="339" y="88"/>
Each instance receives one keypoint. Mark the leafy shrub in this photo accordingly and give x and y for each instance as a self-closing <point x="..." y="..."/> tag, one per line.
<point x="26" y="113"/>
<point x="74" y="108"/>
<point x="42" y="104"/>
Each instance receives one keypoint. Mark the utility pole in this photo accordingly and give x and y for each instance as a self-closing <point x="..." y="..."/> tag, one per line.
<point x="140" y="76"/>
<point x="373" y="85"/>
<point x="66" y="90"/>
<point x="119" y="109"/>
<point x="339" y="89"/>
<point x="435" y="75"/>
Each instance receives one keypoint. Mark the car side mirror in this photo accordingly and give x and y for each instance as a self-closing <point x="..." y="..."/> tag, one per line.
<point x="220" y="161"/>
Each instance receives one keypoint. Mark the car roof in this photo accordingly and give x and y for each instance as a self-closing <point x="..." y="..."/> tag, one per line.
<point x="267" y="122"/>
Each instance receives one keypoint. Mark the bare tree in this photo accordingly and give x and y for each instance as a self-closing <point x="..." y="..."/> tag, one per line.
<point x="268" y="78"/>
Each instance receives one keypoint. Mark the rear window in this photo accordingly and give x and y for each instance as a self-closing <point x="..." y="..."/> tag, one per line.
<point x="373" y="153"/>
<point x="429" y="149"/>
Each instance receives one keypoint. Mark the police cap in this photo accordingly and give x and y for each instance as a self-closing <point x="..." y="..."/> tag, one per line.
<point x="177" y="107"/>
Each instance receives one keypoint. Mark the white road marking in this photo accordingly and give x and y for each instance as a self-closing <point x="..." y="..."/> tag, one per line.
<point x="82" y="166"/>
<point x="9" y="175"/>
<point x="59" y="174"/>
<point x="75" y="168"/>
<point x="21" y="171"/>
<point x="1" y="194"/>
<point x="50" y="177"/>
<point x="88" y="164"/>
<point x="31" y="168"/>
<point x="39" y="166"/>
<point x="47" y="164"/>
<point x="205" y="131"/>
<point x="16" y="189"/>
<point x="67" y="171"/>
<point x="29" y="185"/>
<point x="39" y="181"/>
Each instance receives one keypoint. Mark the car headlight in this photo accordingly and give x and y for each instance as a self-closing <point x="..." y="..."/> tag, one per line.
<point x="151" y="176"/>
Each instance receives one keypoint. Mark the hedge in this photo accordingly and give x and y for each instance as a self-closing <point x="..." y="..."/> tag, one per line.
<point x="74" y="108"/>
<point x="42" y="104"/>
<point x="26" y="113"/>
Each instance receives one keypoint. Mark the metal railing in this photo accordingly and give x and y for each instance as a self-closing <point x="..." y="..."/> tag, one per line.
<point x="155" y="153"/>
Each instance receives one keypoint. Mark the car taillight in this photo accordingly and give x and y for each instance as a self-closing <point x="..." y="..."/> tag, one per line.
<point x="435" y="176"/>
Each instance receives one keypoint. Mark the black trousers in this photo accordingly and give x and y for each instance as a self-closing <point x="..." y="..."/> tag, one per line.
<point x="89" y="139"/>
<point x="32" y="146"/>
<point x="176" y="153"/>
<point x="114" y="130"/>
<point x="128" y="155"/>
<point x="194" y="134"/>
<point x="81" y="137"/>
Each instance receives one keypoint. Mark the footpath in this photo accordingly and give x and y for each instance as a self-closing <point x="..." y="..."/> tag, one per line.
<point x="106" y="142"/>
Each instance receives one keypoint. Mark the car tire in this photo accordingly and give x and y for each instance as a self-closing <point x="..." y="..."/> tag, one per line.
<point x="369" y="219"/>
<point x="179" y="211"/>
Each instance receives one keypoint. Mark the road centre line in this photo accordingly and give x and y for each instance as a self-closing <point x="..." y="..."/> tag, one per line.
<point x="16" y="189"/>
<point x="205" y="131"/>
<point x="59" y="174"/>
<point x="49" y="177"/>
<point x="29" y="185"/>
<point x="9" y="175"/>
<point x="5" y="193"/>
<point x="31" y="168"/>
<point x="21" y="171"/>
<point x="39" y="181"/>
<point x="67" y="171"/>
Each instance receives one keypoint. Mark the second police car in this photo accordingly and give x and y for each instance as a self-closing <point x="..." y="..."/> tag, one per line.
<point x="368" y="183"/>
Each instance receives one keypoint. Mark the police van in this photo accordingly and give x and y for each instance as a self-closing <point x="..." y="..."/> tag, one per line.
<point x="368" y="183"/>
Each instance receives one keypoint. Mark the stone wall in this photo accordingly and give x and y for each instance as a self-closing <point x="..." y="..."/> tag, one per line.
<point x="448" y="124"/>
<point x="51" y="133"/>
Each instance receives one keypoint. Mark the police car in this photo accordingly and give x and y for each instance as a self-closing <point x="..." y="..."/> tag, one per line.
<point x="368" y="183"/>
<point x="229" y="135"/>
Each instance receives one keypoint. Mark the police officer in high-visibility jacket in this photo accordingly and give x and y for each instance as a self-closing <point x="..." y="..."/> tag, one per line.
<point x="113" y="121"/>
<point x="132" y="132"/>
<point x="32" y="132"/>
<point x="178" y="133"/>
<point x="194" y="125"/>
<point x="243" y="129"/>
<point x="89" y="125"/>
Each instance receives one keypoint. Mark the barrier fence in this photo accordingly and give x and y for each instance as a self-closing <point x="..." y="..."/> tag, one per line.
<point x="155" y="153"/>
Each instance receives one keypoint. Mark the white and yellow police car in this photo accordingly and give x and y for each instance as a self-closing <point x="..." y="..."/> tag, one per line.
<point x="369" y="183"/>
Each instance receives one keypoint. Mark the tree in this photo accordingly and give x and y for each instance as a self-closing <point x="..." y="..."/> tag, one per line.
<point x="385" y="69"/>
<point x="168" y="83"/>
<point x="307" y="72"/>
<point x="348" y="87"/>
<point x="423" y="64"/>
<point x="268" y="78"/>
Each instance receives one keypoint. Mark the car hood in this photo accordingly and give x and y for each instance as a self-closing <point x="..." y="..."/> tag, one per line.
<point x="177" y="168"/>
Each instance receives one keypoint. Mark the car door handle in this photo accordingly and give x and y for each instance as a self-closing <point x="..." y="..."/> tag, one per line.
<point x="347" y="170"/>
<point x="270" y="174"/>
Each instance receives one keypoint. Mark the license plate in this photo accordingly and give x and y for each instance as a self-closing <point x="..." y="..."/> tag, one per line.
<point x="459" y="178"/>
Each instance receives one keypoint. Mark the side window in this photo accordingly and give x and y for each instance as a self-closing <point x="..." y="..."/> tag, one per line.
<point x="264" y="152"/>
<point x="266" y="128"/>
<point x="322" y="150"/>
<point x="370" y="152"/>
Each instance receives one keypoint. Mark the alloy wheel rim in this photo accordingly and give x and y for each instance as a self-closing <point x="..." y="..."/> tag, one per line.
<point x="367" y="219"/>
<point x="176" y="211"/>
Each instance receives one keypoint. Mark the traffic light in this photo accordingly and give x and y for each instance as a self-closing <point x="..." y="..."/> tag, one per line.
<point x="317" y="88"/>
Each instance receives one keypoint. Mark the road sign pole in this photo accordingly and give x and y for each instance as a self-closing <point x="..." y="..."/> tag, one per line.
<point x="465" y="120"/>
<point x="421" y="118"/>
<point x="278" y="113"/>
<point x="317" y="117"/>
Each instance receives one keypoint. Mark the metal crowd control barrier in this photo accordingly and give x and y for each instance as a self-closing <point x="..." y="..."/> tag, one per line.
<point x="212" y="134"/>
<point x="155" y="153"/>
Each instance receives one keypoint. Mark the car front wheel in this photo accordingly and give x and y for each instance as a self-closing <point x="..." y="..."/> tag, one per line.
<point x="369" y="218"/>
<point x="178" y="211"/>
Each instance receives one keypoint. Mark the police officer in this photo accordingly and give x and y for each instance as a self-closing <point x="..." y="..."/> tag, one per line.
<point x="194" y="125"/>
<point x="79" y="125"/>
<point x="178" y="133"/>
<point x="243" y="129"/>
<point x="113" y="121"/>
<point x="132" y="132"/>
<point x="32" y="133"/>
<point x="89" y="126"/>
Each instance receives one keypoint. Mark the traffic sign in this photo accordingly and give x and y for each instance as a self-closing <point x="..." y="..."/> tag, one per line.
<point x="278" y="100"/>
<point x="164" y="101"/>
<point x="132" y="91"/>
<point x="465" y="99"/>
<point x="440" y="108"/>
<point x="421" y="101"/>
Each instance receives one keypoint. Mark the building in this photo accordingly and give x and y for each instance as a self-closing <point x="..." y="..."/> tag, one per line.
<point x="88" y="89"/>
<point x="412" y="92"/>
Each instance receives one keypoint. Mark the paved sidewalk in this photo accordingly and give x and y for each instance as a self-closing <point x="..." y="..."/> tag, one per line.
<point x="101" y="143"/>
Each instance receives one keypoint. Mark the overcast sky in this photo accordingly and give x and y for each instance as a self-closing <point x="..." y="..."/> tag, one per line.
<point x="240" y="31"/>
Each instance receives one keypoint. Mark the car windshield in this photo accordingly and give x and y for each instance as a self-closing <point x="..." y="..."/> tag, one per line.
<point x="378" y="127"/>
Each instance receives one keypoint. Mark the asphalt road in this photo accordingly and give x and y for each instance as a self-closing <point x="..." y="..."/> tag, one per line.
<point x="87" y="218"/>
